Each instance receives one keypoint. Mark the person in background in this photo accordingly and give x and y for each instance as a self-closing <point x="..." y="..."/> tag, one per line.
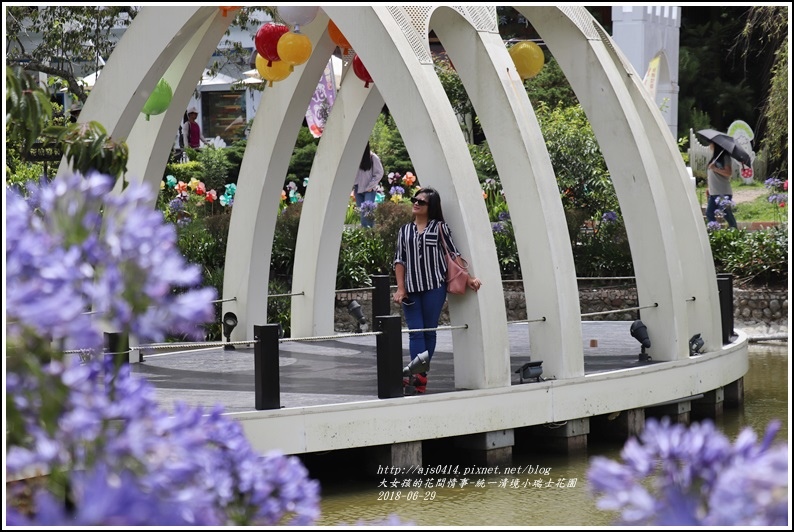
<point x="420" y="268"/>
<point x="74" y="111"/>
<point x="368" y="176"/>
<point x="720" y="193"/>
<point x="192" y="131"/>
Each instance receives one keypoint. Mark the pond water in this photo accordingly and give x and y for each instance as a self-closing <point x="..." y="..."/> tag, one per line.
<point x="559" y="498"/>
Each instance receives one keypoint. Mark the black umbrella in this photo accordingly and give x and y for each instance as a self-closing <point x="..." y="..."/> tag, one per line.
<point x="727" y="143"/>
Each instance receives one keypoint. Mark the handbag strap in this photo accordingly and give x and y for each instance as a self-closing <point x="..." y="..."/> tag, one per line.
<point x="444" y="243"/>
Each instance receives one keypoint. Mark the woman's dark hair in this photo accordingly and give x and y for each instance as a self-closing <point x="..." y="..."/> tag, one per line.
<point x="366" y="159"/>
<point x="433" y="199"/>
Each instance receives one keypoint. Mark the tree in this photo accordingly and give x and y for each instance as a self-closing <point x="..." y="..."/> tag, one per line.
<point x="29" y="123"/>
<point x="71" y="37"/>
<point x="765" y="36"/>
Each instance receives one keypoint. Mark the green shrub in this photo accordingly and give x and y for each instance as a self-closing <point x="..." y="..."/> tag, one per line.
<point x="185" y="171"/>
<point x="757" y="257"/>
<point x="282" y="257"/>
<point x="216" y="168"/>
<point x="506" y="248"/>
<point x="361" y="255"/>
<point x="234" y="154"/>
<point x="279" y="308"/>
<point x="602" y="249"/>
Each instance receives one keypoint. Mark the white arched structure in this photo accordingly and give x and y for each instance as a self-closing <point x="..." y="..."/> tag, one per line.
<point x="672" y="259"/>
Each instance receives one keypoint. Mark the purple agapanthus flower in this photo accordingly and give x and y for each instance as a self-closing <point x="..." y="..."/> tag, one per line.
<point x="367" y="209"/>
<point x="725" y="203"/>
<point x="66" y="258"/>
<point x="713" y="226"/>
<point x="674" y="475"/>
<point x="122" y="451"/>
<point x="609" y="217"/>
<point x="498" y="227"/>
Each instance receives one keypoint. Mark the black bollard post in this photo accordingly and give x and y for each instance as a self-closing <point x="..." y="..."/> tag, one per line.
<point x="725" y="287"/>
<point x="390" y="356"/>
<point x="266" y="377"/>
<point x="381" y="296"/>
<point x="117" y="348"/>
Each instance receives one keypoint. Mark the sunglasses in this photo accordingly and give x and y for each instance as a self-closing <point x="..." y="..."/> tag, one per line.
<point x="419" y="202"/>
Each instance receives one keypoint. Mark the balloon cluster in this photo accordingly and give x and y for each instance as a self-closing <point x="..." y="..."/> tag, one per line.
<point x="280" y="50"/>
<point x="358" y="66"/>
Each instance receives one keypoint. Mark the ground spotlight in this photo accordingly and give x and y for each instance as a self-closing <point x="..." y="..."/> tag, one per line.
<point x="640" y="333"/>
<point x="354" y="308"/>
<point x="695" y="345"/>
<point x="530" y="370"/>
<point x="229" y="323"/>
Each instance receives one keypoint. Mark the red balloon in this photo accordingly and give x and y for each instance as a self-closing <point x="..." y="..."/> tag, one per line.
<point x="266" y="40"/>
<point x="361" y="72"/>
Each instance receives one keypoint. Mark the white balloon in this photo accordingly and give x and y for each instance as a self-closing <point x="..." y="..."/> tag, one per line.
<point x="298" y="15"/>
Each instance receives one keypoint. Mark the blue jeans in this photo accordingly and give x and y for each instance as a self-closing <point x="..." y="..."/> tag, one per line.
<point x="713" y="205"/>
<point x="361" y="197"/>
<point x="422" y="311"/>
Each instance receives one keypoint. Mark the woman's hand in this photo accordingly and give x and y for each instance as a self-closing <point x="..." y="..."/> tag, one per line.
<point x="399" y="295"/>
<point x="474" y="283"/>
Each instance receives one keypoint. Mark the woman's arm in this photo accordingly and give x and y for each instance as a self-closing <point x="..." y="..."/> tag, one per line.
<point x="377" y="172"/>
<point x="399" y="267"/>
<point x="399" y="273"/>
<point x="725" y="171"/>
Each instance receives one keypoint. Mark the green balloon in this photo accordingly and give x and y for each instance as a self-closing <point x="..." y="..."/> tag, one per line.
<point x="159" y="100"/>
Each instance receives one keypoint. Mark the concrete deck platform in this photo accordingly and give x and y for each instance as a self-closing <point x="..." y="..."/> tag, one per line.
<point x="344" y="370"/>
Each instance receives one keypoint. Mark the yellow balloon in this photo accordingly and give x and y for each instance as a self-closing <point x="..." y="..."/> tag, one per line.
<point x="277" y="71"/>
<point x="528" y="58"/>
<point x="294" y="48"/>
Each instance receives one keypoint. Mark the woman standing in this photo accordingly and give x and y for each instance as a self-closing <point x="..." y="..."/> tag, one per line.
<point x="420" y="267"/>
<point x="370" y="172"/>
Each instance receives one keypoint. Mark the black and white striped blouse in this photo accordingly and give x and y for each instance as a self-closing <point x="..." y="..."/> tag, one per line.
<point x="422" y="254"/>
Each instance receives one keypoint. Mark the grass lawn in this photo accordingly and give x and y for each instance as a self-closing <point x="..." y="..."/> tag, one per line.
<point x="758" y="209"/>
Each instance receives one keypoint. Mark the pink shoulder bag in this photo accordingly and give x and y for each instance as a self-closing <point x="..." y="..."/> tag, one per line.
<point x="457" y="275"/>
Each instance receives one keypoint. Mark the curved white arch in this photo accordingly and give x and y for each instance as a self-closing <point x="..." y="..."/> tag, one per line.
<point x="388" y="45"/>
<point x="648" y="182"/>
<point x="516" y="142"/>
<point x="267" y="155"/>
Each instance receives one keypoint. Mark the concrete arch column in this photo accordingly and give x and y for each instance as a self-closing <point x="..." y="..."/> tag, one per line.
<point x="601" y="80"/>
<point x="267" y="155"/>
<point x="516" y="142"/>
<point x="410" y="87"/>
<point x="320" y="232"/>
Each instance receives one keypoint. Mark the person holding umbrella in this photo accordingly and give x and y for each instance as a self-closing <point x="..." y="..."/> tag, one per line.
<point x="720" y="192"/>
<point x="720" y="170"/>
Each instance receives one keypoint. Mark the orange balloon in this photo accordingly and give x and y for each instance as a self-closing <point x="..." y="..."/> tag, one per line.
<point x="225" y="9"/>
<point x="337" y="37"/>
<point x="294" y="49"/>
<point x="277" y="71"/>
<point x="528" y="59"/>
